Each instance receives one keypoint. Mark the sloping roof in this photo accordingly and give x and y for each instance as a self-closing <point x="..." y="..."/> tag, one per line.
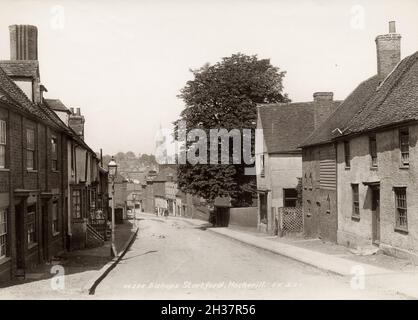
<point x="285" y="126"/>
<point x="56" y="105"/>
<point x="13" y="94"/>
<point x="395" y="101"/>
<point x="343" y="113"/>
<point x="20" y="68"/>
<point x="68" y="130"/>
<point x="164" y="174"/>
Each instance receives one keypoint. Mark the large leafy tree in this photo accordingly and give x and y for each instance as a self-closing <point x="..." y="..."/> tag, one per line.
<point x="225" y="95"/>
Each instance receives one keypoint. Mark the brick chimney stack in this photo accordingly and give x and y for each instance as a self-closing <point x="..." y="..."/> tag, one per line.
<point x="76" y="122"/>
<point x="324" y="106"/>
<point x="388" y="48"/>
<point x="23" y="42"/>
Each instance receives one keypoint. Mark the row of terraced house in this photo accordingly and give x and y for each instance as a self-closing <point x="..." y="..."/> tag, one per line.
<point x="347" y="171"/>
<point x="53" y="189"/>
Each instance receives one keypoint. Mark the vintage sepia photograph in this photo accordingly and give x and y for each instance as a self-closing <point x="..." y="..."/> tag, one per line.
<point x="197" y="150"/>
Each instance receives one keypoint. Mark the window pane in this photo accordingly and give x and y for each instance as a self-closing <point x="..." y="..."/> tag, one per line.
<point x="2" y="132"/>
<point x="401" y="208"/>
<point x="31" y="224"/>
<point x="3" y="233"/>
<point x="29" y="159"/>
<point x="76" y="204"/>
<point x="356" y="201"/>
<point x="30" y="139"/>
<point x="2" y="156"/>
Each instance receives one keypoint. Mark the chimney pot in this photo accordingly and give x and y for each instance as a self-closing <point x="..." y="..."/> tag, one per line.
<point x="78" y="112"/>
<point x="23" y="42"/>
<point x="72" y="110"/>
<point x="392" y="26"/>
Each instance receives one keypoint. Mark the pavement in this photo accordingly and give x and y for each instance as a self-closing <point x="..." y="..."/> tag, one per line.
<point x="79" y="269"/>
<point x="177" y="258"/>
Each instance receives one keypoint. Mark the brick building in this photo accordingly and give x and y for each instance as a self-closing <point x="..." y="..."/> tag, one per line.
<point x="32" y="158"/>
<point x="36" y="204"/>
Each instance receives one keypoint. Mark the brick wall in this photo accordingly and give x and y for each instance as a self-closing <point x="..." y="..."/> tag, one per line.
<point x="40" y="181"/>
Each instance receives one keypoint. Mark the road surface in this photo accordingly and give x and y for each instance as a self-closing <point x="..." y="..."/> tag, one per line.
<point x="172" y="259"/>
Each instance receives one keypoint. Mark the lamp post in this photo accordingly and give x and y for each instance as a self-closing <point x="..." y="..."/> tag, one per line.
<point x="134" y="209"/>
<point x="113" y="168"/>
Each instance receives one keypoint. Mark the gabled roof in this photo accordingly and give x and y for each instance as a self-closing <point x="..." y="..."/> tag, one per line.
<point x="285" y="126"/>
<point x="394" y="102"/>
<point x="56" y="105"/>
<point x="344" y="112"/>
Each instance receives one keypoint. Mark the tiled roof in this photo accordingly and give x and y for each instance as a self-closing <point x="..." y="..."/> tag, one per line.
<point x="285" y="126"/>
<point x="21" y="68"/>
<point x="395" y="101"/>
<point x="52" y="115"/>
<point x="56" y="105"/>
<point x="344" y="112"/>
<point x="15" y="95"/>
<point x="12" y="94"/>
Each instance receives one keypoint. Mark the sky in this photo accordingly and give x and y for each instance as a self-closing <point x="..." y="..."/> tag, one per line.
<point x="124" y="62"/>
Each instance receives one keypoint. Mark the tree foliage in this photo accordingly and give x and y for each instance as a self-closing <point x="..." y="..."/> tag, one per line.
<point x="225" y="95"/>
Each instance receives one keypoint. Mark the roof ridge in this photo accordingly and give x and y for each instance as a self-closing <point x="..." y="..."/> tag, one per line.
<point x="391" y="82"/>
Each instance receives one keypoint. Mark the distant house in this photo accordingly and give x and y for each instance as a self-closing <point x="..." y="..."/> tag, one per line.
<point x="284" y="127"/>
<point x="121" y="195"/>
<point x="375" y="153"/>
<point x="165" y="190"/>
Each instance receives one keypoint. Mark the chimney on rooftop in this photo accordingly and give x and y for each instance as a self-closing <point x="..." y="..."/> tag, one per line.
<point x="23" y="42"/>
<point x="388" y="48"/>
<point x="324" y="106"/>
<point x="76" y="122"/>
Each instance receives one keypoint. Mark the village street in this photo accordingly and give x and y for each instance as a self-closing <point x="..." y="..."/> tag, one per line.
<point x="172" y="259"/>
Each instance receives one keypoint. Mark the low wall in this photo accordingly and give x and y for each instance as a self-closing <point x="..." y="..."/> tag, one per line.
<point x="244" y="217"/>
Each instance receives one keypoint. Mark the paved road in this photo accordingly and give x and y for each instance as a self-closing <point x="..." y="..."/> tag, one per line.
<point x="171" y="259"/>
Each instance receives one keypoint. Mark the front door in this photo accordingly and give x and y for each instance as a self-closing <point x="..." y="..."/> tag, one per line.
<point x="263" y="208"/>
<point x="20" y="237"/>
<point x="45" y="228"/>
<point x="376" y="215"/>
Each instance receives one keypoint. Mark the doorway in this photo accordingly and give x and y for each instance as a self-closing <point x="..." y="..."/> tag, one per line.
<point x="263" y="208"/>
<point x="375" y="215"/>
<point x="45" y="229"/>
<point x="20" y="239"/>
